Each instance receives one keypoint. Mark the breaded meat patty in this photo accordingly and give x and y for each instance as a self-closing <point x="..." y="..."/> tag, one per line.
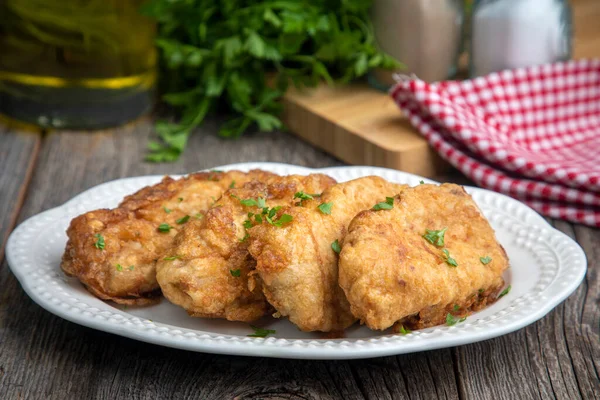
<point x="206" y="269"/>
<point x="113" y="252"/>
<point x="431" y="254"/>
<point x="297" y="264"/>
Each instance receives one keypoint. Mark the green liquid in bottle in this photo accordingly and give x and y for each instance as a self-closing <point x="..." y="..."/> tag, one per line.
<point x="76" y="63"/>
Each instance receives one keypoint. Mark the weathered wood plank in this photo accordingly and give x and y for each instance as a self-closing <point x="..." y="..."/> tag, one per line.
<point x="18" y="151"/>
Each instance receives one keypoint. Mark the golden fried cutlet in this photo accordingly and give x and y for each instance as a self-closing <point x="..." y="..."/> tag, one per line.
<point x="113" y="252"/>
<point x="206" y="269"/>
<point x="432" y="254"/>
<point x="297" y="265"/>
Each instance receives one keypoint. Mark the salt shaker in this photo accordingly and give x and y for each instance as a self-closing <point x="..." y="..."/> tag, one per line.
<point x="425" y="35"/>
<point x="510" y="34"/>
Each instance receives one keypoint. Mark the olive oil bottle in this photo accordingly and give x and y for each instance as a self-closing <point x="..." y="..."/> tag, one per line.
<point x="75" y="63"/>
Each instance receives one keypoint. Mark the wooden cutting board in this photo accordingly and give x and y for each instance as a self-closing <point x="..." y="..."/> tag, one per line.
<point x="359" y="125"/>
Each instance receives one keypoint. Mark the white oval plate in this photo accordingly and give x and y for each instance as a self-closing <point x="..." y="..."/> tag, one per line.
<point x="546" y="267"/>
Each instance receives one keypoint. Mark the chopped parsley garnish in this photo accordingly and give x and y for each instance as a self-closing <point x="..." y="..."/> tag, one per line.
<point x="481" y="291"/>
<point x="449" y="260"/>
<point x="261" y="332"/>
<point x="260" y="202"/>
<point x="456" y="307"/>
<point x="485" y="260"/>
<point x="180" y="199"/>
<point x="284" y="219"/>
<point x="164" y="227"/>
<point x="403" y="330"/>
<point x="247" y="224"/>
<point x="421" y="182"/>
<point x="325" y="208"/>
<point x="232" y="184"/>
<point x="303" y="196"/>
<point x="336" y="246"/>
<point x="99" y="243"/>
<point x="171" y="258"/>
<point x="246" y="236"/>
<point x="199" y="215"/>
<point x="452" y="320"/>
<point x="183" y="220"/>
<point x="216" y="170"/>
<point x="388" y="204"/>
<point x="131" y="267"/>
<point x="167" y="210"/>
<point x="119" y="267"/>
<point x="235" y="272"/>
<point x="505" y="291"/>
<point x="436" y="238"/>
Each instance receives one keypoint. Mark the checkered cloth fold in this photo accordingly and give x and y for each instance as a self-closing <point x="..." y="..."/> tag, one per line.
<point x="531" y="133"/>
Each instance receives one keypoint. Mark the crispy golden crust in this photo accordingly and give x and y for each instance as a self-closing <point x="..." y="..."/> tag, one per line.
<point x="203" y="278"/>
<point x="390" y="273"/>
<point x="296" y="264"/>
<point x="124" y="271"/>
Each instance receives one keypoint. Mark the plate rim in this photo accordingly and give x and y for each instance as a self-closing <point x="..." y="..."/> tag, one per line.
<point x="269" y="347"/>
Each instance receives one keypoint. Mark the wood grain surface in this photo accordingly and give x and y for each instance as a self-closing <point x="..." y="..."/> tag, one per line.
<point x="45" y="357"/>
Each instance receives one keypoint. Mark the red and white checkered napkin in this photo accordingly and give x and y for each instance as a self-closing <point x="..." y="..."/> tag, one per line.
<point x="531" y="133"/>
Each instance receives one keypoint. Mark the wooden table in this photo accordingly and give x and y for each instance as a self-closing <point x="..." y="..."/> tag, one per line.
<point x="43" y="356"/>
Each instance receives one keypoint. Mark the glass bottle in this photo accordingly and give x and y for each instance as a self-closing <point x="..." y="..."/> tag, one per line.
<point x="425" y="35"/>
<point x="509" y="34"/>
<point x="75" y="63"/>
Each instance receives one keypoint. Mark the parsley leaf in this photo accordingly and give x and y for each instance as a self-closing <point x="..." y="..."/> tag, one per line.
<point x="449" y="260"/>
<point x="164" y="228"/>
<point x="235" y="272"/>
<point x="248" y="224"/>
<point x="180" y="199"/>
<point x="421" y="182"/>
<point x="456" y="307"/>
<point x="284" y="219"/>
<point x="452" y="320"/>
<point x="199" y="215"/>
<point x="336" y="246"/>
<point x="261" y="332"/>
<point x="303" y="196"/>
<point x="171" y="258"/>
<point x="485" y="260"/>
<point x="435" y="237"/>
<point x="167" y="210"/>
<point x="505" y="291"/>
<point x="215" y="57"/>
<point x="260" y="202"/>
<point x="99" y="243"/>
<point x="183" y="220"/>
<point x="325" y="208"/>
<point x="232" y="184"/>
<point x="388" y="204"/>
<point x="404" y="331"/>
<point x="131" y="267"/>
<point x="119" y="267"/>
<point x="246" y="236"/>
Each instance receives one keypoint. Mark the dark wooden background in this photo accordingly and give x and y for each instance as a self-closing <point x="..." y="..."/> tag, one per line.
<point x="45" y="357"/>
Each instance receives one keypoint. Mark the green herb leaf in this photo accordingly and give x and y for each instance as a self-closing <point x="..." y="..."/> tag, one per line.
<point x="435" y="237"/>
<point x="235" y="272"/>
<point x="232" y="184"/>
<point x="481" y="291"/>
<point x="171" y="258"/>
<point x="404" y="331"/>
<point x="164" y="227"/>
<point x="247" y="224"/>
<point x="166" y="210"/>
<point x="387" y="205"/>
<point x="421" y="182"/>
<point x="485" y="260"/>
<point x="336" y="246"/>
<point x="303" y="196"/>
<point x="505" y="291"/>
<point x="199" y="215"/>
<point x="99" y="243"/>
<point x="131" y="267"/>
<point x="119" y="267"/>
<point x="284" y="219"/>
<point x="246" y="236"/>
<point x="218" y="56"/>
<point x="325" y="208"/>
<point x="261" y="332"/>
<point x="180" y="199"/>
<point x="456" y="307"/>
<point x="452" y="320"/>
<point x="449" y="260"/>
<point x="183" y="220"/>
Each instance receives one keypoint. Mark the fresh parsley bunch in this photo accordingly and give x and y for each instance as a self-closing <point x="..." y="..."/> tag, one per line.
<point x="240" y="55"/>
